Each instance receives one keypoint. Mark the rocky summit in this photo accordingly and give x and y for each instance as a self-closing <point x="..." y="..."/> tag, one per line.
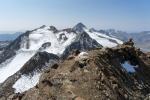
<point x="118" y="73"/>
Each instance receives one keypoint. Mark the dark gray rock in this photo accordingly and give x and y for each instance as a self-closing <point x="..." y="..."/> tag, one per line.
<point x="38" y="62"/>
<point x="83" y="42"/>
<point x="79" y="28"/>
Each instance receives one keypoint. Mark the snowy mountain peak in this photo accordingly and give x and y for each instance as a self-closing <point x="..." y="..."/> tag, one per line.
<point x="80" y="24"/>
<point x="79" y="27"/>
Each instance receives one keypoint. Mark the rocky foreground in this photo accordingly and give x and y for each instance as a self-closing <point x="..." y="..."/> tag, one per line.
<point x="94" y="75"/>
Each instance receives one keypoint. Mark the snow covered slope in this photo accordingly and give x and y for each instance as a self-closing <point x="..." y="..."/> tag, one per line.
<point x="26" y="82"/>
<point x="57" y="41"/>
<point x="104" y="40"/>
<point x="30" y="44"/>
<point x="9" y="68"/>
<point x="51" y="40"/>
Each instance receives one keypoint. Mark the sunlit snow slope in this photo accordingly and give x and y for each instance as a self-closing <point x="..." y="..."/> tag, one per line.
<point x="26" y="82"/>
<point x="104" y="40"/>
<point x="31" y="44"/>
<point x="10" y="67"/>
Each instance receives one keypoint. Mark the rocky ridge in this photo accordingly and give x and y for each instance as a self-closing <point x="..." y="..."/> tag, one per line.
<point x="97" y="75"/>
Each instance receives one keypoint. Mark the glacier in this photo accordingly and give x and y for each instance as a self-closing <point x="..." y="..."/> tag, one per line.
<point x="58" y="41"/>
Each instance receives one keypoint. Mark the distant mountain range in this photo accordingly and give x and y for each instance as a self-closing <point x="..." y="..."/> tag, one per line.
<point x="141" y="39"/>
<point x="4" y="36"/>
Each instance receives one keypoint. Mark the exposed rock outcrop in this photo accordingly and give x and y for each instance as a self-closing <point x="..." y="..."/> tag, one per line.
<point x="82" y="42"/>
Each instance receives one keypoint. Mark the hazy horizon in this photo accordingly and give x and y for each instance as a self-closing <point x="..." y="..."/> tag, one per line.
<point x="127" y="15"/>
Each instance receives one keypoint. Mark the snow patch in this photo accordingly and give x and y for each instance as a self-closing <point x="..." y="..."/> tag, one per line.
<point x="26" y="82"/>
<point x="82" y="56"/>
<point x="128" y="67"/>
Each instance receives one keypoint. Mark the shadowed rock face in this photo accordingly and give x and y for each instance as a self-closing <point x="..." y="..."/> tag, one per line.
<point x="79" y="28"/>
<point x="38" y="61"/>
<point x="54" y="29"/>
<point x="82" y="42"/>
<point x="98" y="77"/>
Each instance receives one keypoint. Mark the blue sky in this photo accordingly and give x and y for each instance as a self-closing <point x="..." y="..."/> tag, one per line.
<point x="126" y="15"/>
